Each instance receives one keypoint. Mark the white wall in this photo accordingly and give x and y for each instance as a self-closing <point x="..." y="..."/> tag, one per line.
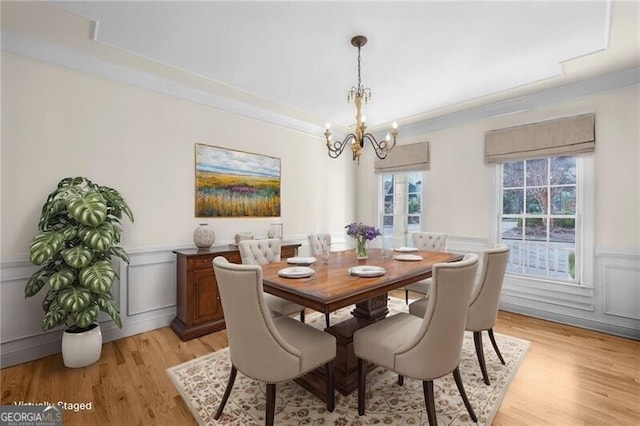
<point x="58" y="122"/>
<point x="460" y="196"/>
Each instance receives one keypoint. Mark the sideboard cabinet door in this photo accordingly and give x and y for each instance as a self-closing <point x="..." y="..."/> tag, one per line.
<point x="198" y="304"/>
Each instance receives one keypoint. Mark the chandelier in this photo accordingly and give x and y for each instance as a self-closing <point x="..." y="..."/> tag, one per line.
<point x="357" y="139"/>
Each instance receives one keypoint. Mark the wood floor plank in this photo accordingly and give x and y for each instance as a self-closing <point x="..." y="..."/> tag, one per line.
<point x="569" y="376"/>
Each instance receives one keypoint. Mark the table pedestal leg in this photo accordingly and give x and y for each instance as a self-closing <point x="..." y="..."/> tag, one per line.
<point x="346" y="365"/>
<point x="372" y="309"/>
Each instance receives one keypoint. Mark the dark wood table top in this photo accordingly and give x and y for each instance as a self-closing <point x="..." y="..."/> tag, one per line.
<point x="332" y="287"/>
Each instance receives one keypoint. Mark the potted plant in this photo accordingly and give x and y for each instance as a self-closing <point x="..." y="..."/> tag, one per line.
<point x="79" y="234"/>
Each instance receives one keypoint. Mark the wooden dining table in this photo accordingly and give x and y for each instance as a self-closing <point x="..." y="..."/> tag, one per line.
<point x="332" y="287"/>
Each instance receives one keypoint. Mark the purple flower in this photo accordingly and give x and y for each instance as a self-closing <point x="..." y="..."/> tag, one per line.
<point x="359" y="229"/>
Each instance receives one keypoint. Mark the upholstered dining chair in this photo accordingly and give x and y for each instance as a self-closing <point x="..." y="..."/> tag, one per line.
<point x="430" y="241"/>
<point x="261" y="252"/>
<point x="316" y="241"/>
<point x="423" y="348"/>
<point x="262" y="347"/>
<point x="485" y="301"/>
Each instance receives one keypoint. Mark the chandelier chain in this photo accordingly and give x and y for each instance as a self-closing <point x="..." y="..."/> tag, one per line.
<point x="359" y="81"/>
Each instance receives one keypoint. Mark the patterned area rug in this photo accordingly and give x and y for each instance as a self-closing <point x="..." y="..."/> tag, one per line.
<point x="201" y="383"/>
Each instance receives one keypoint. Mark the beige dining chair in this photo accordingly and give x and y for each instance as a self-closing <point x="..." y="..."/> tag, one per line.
<point x="316" y="241"/>
<point x="429" y="241"/>
<point x="485" y="302"/>
<point x="261" y="252"/>
<point x="423" y="348"/>
<point x="265" y="348"/>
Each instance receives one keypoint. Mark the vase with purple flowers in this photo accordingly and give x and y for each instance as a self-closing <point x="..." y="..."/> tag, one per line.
<point x="362" y="234"/>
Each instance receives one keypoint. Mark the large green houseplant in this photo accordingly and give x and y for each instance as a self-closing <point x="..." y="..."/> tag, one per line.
<point x="79" y="233"/>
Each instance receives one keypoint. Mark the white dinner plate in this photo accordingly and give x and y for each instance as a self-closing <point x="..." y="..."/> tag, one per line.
<point x="296" y="272"/>
<point x="406" y="249"/>
<point x="305" y="261"/>
<point x="367" y="271"/>
<point x="409" y="257"/>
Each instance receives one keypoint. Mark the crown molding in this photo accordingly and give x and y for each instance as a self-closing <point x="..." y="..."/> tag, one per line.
<point x="568" y="92"/>
<point x="68" y="58"/>
<point x="56" y="54"/>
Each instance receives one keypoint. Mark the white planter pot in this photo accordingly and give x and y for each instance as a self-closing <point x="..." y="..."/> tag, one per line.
<point x="81" y="349"/>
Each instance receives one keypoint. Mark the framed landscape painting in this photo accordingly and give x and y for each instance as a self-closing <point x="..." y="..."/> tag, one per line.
<point x="232" y="183"/>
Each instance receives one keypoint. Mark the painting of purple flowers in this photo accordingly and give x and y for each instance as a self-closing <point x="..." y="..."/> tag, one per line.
<point x="232" y="183"/>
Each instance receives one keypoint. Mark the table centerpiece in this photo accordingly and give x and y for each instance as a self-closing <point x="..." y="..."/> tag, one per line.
<point x="362" y="233"/>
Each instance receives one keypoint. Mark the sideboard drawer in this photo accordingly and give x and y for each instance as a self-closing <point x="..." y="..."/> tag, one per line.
<point x="201" y="262"/>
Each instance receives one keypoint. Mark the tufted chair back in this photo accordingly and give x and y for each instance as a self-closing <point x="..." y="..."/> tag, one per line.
<point x="430" y="241"/>
<point x="260" y="252"/>
<point x="316" y="241"/>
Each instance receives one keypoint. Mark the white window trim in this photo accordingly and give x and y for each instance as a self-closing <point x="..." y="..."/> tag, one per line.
<point x="584" y="223"/>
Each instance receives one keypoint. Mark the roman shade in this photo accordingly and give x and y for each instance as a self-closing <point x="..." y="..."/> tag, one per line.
<point x="412" y="157"/>
<point x="562" y="136"/>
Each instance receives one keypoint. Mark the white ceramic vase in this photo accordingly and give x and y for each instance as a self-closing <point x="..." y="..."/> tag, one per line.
<point x="203" y="236"/>
<point x="80" y="349"/>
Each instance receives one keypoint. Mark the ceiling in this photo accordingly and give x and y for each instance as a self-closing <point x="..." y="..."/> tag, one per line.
<point x="421" y="56"/>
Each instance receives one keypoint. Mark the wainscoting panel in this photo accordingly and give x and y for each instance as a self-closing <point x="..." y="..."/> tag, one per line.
<point x="146" y="293"/>
<point x="16" y="324"/>
<point x="461" y="244"/>
<point x="620" y="275"/>
<point x="151" y="286"/>
<point x="612" y="305"/>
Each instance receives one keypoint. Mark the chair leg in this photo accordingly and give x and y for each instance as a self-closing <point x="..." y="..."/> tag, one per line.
<point x="477" y="340"/>
<point x="427" y="389"/>
<point x="327" y="320"/>
<point x="330" y="386"/>
<point x="400" y="380"/>
<point x="495" y="345"/>
<point x="271" y="404"/>
<point x="302" y="315"/>
<point x="406" y="296"/>
<point x="463" y="394"/>
<point x="362" y="384"/>
<point x="227" y="391"/>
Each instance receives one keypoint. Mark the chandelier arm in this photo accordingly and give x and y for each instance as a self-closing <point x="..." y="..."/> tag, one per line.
<point x="381" y="148"/>
<point x="335" y="148"/>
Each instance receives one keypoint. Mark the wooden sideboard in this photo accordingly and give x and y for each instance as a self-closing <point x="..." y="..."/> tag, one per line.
<point x="199" y="309"/>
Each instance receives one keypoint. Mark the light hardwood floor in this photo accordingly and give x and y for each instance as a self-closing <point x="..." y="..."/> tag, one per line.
<point x="569" y="376"/>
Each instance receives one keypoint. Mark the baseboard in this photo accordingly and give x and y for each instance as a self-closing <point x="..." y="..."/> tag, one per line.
<point x="589" y="324"/>
<point x="47" y="344"/>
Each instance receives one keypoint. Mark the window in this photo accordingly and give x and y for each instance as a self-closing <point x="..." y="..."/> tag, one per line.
<point x="401" y="207"/>
<point x="539" y="213"/>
